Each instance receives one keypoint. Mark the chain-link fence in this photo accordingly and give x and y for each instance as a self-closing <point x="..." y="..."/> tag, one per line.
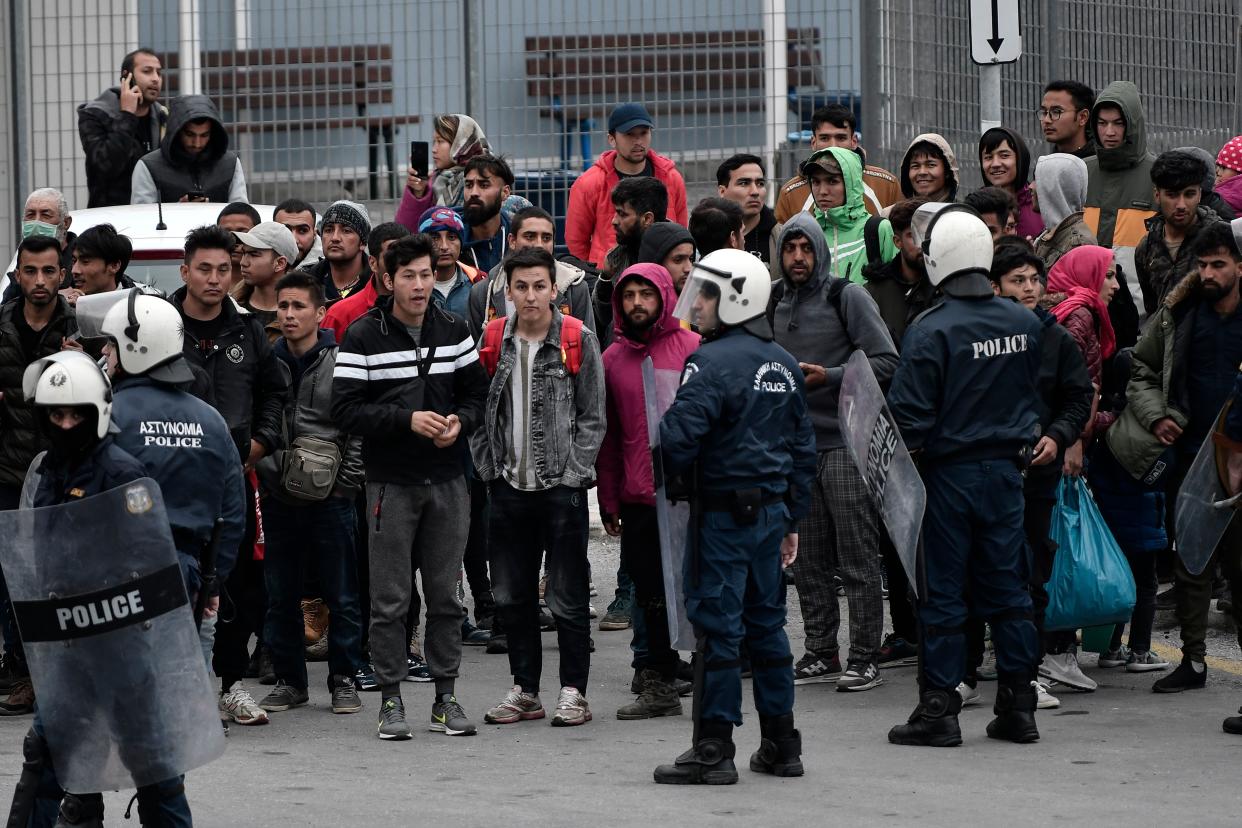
<point x="322" y="98"/>
<point x="1182" y="55"/>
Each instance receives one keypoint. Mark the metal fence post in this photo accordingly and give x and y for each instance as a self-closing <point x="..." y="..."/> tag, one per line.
<point x="19" y="74"/>
<point x="472" y="52"/>
<point x="869" y="57"/>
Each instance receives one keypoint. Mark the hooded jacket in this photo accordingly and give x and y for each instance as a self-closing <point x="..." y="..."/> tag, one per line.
<point x="1158" y="270"/>
<point x="113" y="141"/>
<point x="952" y="177"/>
<point x="487" y="298"/>
<point x="1119" y="195"/>
<point x="880" y="190"/>
<point x="623" y="467"/>
<point x="169" y="173"/>
<point x="660" y="239"/>
<point x="1210" y="197"/>
<point x="843" y="227"/>
<point x="1061" y="185"/>
<point x="822" y="322"/>
<point x="899" y="302"/>
<point x="1029" y="223"/>
<point x="588" y="218"/>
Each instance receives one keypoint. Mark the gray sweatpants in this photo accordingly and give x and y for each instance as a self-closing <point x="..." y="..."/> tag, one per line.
<point x="421" y="527"/>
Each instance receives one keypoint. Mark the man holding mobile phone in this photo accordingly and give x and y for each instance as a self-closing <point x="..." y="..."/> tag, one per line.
<point x="120" y="126"/>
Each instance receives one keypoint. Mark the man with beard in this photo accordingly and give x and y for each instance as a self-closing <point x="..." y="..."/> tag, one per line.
<point x="344" y="230"/>
<point x="489" y="181"/>
<point x="637" y="204"/>
<point x="1185" y="365"/>
<point x="646" y="327"/>
<point x="32" y="326"/>
<point x="900" y="287"/>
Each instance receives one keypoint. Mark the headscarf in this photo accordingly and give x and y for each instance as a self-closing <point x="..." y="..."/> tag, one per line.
<point x="468" y="141"/>
<point x="1080" y="274"/>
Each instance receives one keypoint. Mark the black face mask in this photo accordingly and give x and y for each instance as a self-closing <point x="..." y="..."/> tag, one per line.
<point x="70" y="446"/>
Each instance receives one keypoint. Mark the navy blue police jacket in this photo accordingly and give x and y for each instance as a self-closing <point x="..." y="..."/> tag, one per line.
<point x="107" y="467"/>
<point x="741" y="413"/>
<point x="185" y="446"/>
<point x="967" y="386"/>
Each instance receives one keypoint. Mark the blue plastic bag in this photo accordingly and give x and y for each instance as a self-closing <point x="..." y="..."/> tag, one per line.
<point x="1091" y="582"/>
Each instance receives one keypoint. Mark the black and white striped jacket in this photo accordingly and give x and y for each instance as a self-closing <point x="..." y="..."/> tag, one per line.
<point x="379" y="382"/>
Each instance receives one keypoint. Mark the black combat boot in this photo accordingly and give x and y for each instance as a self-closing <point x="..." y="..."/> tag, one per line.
<point x="780" y="750"/>
<point x="708" y="762"/>
<point x="1015" y="710"/>
<point x="933" y="723"/>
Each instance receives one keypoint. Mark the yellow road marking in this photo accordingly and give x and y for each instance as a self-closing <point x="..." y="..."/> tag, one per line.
<point x="1174" y="656"/>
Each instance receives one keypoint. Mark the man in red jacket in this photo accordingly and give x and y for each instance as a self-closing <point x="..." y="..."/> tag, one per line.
<point x="643" y="320"/>
<point x="588" y="221"/>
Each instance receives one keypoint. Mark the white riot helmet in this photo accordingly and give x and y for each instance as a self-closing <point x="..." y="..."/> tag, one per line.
<point x="70" y="379"/>
<point x="147" y="330"/>
<point x="740" y="280"/>
<point x="954" y="240"/>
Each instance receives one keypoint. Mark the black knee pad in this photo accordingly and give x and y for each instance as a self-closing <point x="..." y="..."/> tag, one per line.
<point x="82" y="809"/>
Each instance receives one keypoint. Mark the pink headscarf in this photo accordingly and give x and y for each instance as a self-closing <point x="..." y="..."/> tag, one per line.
<point x="1080" y="274"/>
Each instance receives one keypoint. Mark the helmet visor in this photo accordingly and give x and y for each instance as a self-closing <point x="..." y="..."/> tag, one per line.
<point x="91" y="311"/>
<point x="699" y="302"/>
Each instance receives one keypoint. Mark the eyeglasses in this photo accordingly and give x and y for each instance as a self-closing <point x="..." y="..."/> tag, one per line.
<point x="1053" y="114"/>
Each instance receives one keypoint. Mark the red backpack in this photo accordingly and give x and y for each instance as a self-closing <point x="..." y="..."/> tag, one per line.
<point x="571" y="344"/>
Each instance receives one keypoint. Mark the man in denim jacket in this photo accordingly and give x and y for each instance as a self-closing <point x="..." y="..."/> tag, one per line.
<point x="543" y="425"/>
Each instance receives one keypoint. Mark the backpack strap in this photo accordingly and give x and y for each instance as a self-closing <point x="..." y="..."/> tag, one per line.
<point x="571" y="343"/>
<point x="871" y="237"/>
<point x="493" y="340"/>
<point x="836" y="286"/>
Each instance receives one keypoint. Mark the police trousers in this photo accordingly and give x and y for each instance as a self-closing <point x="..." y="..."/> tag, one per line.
<point x="974" y="547"/>
<point x="738" y="592"/>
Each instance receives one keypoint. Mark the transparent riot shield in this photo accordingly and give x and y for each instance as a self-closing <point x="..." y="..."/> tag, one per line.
<point x="1204" y="508"/>
<point x="659" y="389"/>
<point x="102" y="610"/>
<point x="875" y="445"/>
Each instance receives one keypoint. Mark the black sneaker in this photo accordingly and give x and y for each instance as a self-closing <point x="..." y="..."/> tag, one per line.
<point x="365" y="679"/>
<point x="1185" y="677"/>
<point x="546" y="622"/>
<point x="472" y="636"/>
<point x="897" y="652"/>
<point x="448" y="717"/>
<point x="283" y="697"/>
<point x="417" y="669"/>
<point x="344" y="696"/>
<point x="1167" y="600"/>
<point x="498" y="644"/>
<point x="817" y="669"/>
<point x="859" y="675"/>
<point x="840" y="582"/>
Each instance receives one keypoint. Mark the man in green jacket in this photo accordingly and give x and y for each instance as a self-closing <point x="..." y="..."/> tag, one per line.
<point x="841" y="212"/>
<point x="1119" y="195"/>
<point x="1185" y="366"/>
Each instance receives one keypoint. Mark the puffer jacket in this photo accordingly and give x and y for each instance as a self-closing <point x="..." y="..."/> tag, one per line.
<point x="1119" y="192"/>
<point x="588" y="217"/>
<point x="308" y="413"/>
<point x="844" y="226"/>
<point x="1158" y="270"/>
<point x="623" y="467"/>
<point x="1158" y="380"/>
<point x="113" y="141"/>
<point x="20" y="436"/>
<point x="566" y="412"/>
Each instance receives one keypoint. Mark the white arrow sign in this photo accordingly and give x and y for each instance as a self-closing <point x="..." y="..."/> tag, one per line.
<point x="994" y="34"/>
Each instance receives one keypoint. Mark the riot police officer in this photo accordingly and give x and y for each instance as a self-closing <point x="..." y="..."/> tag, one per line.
<point x="965" y="397"/>
<point x="739" y="432"/>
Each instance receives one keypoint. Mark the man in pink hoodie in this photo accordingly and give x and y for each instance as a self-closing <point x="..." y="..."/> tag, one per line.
<point x="643" y="320"/>
<point x="588" y="220"/>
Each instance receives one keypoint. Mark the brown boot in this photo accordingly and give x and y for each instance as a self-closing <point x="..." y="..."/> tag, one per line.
<point x="21" y="699"/>
<point x="314" y="620"/>
<point x="658" y="698"/>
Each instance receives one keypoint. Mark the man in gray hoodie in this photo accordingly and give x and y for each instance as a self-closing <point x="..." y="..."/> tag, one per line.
<point x="821" y="320"/>
<point x="1060" y="193"/>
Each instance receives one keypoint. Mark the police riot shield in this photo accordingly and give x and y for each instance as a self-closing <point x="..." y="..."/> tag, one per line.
<point x="875" y="445"/>
<point x="659" y="388"/>
<point x="115" y="659"/>
<point x="1204" y="508"/>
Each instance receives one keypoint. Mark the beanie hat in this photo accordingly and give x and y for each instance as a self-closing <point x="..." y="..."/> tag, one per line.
<point x="1230" y="155"/>
<point x="441" y="218"/>
<point x="349" y="213"/>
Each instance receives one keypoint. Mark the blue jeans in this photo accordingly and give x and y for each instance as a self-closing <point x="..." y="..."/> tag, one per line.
<point x="162" y="804"/>
<point x="522" y="526"/>
<point x="322" y="535"/>
<point x="974" y="545"/>
<point x="740" y="594"/>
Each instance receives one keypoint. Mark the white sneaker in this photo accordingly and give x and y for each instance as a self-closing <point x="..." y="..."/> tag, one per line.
<point x="1063" y="669"/>
<point x="1044" y="699"/>
<point x="237" y="704"/>
<point x="970" y="695"/>
<point x="592" y="610"/>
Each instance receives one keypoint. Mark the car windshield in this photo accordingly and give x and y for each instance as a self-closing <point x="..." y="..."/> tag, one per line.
<point x="164" y="275"/>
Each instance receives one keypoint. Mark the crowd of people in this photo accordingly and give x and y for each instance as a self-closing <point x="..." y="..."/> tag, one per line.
<point x="376" y="406"/>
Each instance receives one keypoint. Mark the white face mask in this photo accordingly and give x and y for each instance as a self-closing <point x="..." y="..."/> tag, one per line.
<point x="39" y="228"/>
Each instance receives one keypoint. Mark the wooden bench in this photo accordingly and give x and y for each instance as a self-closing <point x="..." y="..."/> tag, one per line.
<point x="305" y="88"/>
<point x="580" y="78"/>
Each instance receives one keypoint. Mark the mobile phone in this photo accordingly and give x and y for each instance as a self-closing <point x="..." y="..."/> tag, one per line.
<point x="420" y="157"/>
<point x="131" y="80"/>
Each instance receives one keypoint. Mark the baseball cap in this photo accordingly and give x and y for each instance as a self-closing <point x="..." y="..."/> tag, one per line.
<point x="627" y="116"/>
<point x="441" y="218"/>
<point x="270" y="235"/>
<point x="821" y="159"/>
